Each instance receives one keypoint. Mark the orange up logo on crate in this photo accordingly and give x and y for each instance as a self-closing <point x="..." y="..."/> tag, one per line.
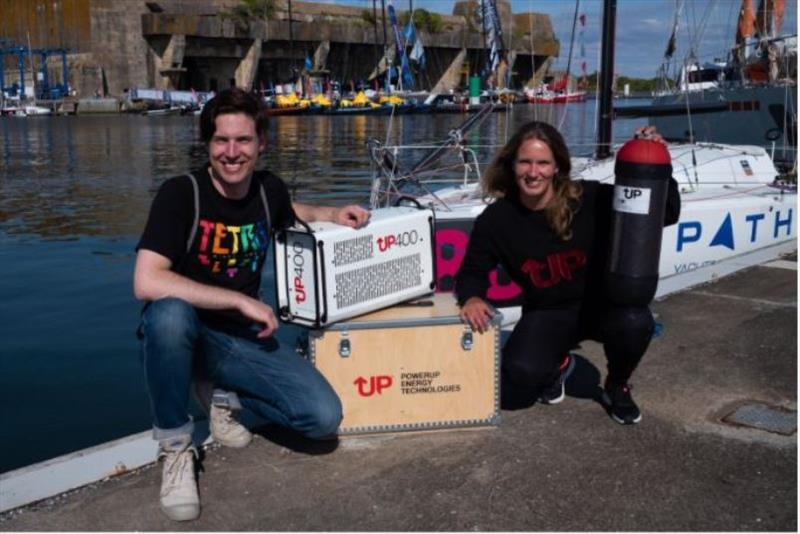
<point x="376" y="384"/>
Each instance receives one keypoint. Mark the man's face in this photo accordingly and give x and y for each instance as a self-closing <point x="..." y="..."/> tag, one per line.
<point x="234" y="149"/>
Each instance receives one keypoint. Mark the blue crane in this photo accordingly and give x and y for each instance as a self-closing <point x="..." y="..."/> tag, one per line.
<point x="56" y="91"/>
<point x="6" y="48"/>
<point x="46" y="90"/>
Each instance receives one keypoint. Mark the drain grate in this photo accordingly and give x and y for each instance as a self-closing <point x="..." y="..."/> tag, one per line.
<point x="764" y="417"/>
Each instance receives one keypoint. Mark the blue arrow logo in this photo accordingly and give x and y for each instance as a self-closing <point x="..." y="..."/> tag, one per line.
<point x="724" y="236"/>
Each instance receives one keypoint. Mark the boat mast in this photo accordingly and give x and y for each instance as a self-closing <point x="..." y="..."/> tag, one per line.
<point x="483" y="24"/>
<point x="375" y="26"/>
<point x="571" y="43"/>
<point x="291" y="46"/>
<point x="385" y="48"/>
<point x="605" y="109"/>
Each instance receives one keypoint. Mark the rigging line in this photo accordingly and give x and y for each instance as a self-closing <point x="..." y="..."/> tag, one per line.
<point x="679" y="5"/>
<point x="533" y="59"/>
<point x="684" y="77"/>
<point x="509" y="74"/>
<point x="733" y="183"/>
<point x="697" y="34"/>
<point x="389" y="125"/>
<point x="710" y="7"/>
<point x="689" y="31"/>
<point x="726" y="195"/>
<point x="698" y="31"/>
<point x="569" y="62"/>
<point x="686" y="100"/>
<point x="729" y="23"/>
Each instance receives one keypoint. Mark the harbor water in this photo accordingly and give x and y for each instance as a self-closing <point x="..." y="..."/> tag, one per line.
<point x="74" y="196"/>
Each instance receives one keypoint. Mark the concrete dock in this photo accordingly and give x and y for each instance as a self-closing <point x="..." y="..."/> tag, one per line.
<point x="567" y="467"/>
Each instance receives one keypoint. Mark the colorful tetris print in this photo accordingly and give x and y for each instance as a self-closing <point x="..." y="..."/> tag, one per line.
<point x="230" y="248"/>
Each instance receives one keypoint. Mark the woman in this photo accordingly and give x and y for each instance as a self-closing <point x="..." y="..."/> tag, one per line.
<point x="550" y="233"/>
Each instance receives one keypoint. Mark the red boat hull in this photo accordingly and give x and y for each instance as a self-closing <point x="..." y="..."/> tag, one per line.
<point x="579" y="96"/>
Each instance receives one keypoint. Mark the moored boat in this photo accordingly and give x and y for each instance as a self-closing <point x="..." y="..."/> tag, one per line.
<point x="25" y="110"/>
<point x="736" y="212"/>
<point x="748" y="98"/>
<point x="547" y="96"/>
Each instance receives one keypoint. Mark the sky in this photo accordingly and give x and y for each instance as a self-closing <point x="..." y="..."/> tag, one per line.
<point x="642" y="31"/>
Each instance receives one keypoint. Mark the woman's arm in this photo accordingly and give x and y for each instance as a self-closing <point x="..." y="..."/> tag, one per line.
<point x="673" y="211"/>
<point x="472" y="280"/>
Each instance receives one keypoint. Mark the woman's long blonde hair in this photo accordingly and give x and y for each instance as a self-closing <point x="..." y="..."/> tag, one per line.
<point x="500" y="180"/>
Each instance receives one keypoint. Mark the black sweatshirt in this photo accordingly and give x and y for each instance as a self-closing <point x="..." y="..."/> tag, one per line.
<point x="553" y="273"/>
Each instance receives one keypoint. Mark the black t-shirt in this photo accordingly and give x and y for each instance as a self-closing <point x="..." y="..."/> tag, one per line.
<point x="553" y="273"/>
<point x="231" y="238"/>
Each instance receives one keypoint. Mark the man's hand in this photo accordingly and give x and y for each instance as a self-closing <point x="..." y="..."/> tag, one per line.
<point x="352" y="215"/>
<point x="477" y="313"/>
<point x="154" y="280"/>
<point x="259" y="313"/>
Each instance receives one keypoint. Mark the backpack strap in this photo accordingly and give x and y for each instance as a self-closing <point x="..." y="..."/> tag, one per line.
<point x="266" y="205"/>
<point x="196" y="220"/>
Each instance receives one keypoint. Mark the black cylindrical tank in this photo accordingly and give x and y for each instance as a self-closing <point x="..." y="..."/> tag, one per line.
<point x="642" y="173"/>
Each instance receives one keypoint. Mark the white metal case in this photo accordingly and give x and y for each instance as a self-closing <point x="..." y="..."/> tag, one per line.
<point x="327" y="272"/>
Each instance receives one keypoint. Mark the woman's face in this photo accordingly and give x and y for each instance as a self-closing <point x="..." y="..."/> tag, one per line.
<point x="534" y="168"/>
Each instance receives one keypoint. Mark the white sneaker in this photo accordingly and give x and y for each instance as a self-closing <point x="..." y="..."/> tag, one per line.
<point x="179" y="498"/>
<point x="225" y="429"/>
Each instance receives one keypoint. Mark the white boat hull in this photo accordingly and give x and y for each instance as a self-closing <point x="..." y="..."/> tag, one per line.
<point x="729" y="211"/>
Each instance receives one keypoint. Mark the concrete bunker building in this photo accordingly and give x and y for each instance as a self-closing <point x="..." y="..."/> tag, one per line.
<point x="199" y="44"/>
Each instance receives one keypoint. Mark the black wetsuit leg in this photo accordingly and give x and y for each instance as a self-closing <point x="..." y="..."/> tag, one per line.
<point x="536" y="348"/>
<point x="625" y="333"/>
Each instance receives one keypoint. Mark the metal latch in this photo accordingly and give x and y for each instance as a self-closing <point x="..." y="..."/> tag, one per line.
<point x="344" y="346"/>
<point x="466" y="338"/>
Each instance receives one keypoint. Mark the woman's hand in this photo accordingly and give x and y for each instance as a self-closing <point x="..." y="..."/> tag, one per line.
<point x="477" y="313"/>
<point x="650" y="133"/>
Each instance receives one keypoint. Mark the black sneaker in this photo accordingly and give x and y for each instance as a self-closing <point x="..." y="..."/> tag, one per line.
<point x="620" y="405"/>
<point x="554" y="393"/>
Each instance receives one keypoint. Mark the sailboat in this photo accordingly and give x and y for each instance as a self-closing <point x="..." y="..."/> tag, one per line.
<point x="561" y="91"/>
<point x="748" y="98"/>
<point x="734" y="211"/>
<point x="555" y="93"/>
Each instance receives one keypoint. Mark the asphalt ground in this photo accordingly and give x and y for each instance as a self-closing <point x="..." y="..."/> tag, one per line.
<point x="567" y="467"/>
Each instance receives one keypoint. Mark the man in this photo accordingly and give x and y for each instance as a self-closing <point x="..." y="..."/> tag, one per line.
<point x="198" y="268"/>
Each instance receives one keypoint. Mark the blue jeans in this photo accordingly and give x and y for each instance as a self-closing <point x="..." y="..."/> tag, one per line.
<point x="271" y="380"/>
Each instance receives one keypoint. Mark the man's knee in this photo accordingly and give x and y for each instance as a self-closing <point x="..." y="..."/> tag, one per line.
<point x="168" y="317"/>
<point x="324" y="417"/>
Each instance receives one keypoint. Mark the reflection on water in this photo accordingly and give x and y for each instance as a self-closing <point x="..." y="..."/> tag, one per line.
<point x="74" y="195"/>
<point x="71" y="176"/>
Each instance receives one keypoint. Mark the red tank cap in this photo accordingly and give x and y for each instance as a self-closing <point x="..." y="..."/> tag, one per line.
<point x="644" y="151"/>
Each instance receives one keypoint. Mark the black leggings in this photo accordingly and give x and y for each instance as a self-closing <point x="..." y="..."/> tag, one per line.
<point x="542" y="338"/>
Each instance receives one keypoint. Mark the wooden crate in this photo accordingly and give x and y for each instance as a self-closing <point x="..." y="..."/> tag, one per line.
<point x="411" y="367"/>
